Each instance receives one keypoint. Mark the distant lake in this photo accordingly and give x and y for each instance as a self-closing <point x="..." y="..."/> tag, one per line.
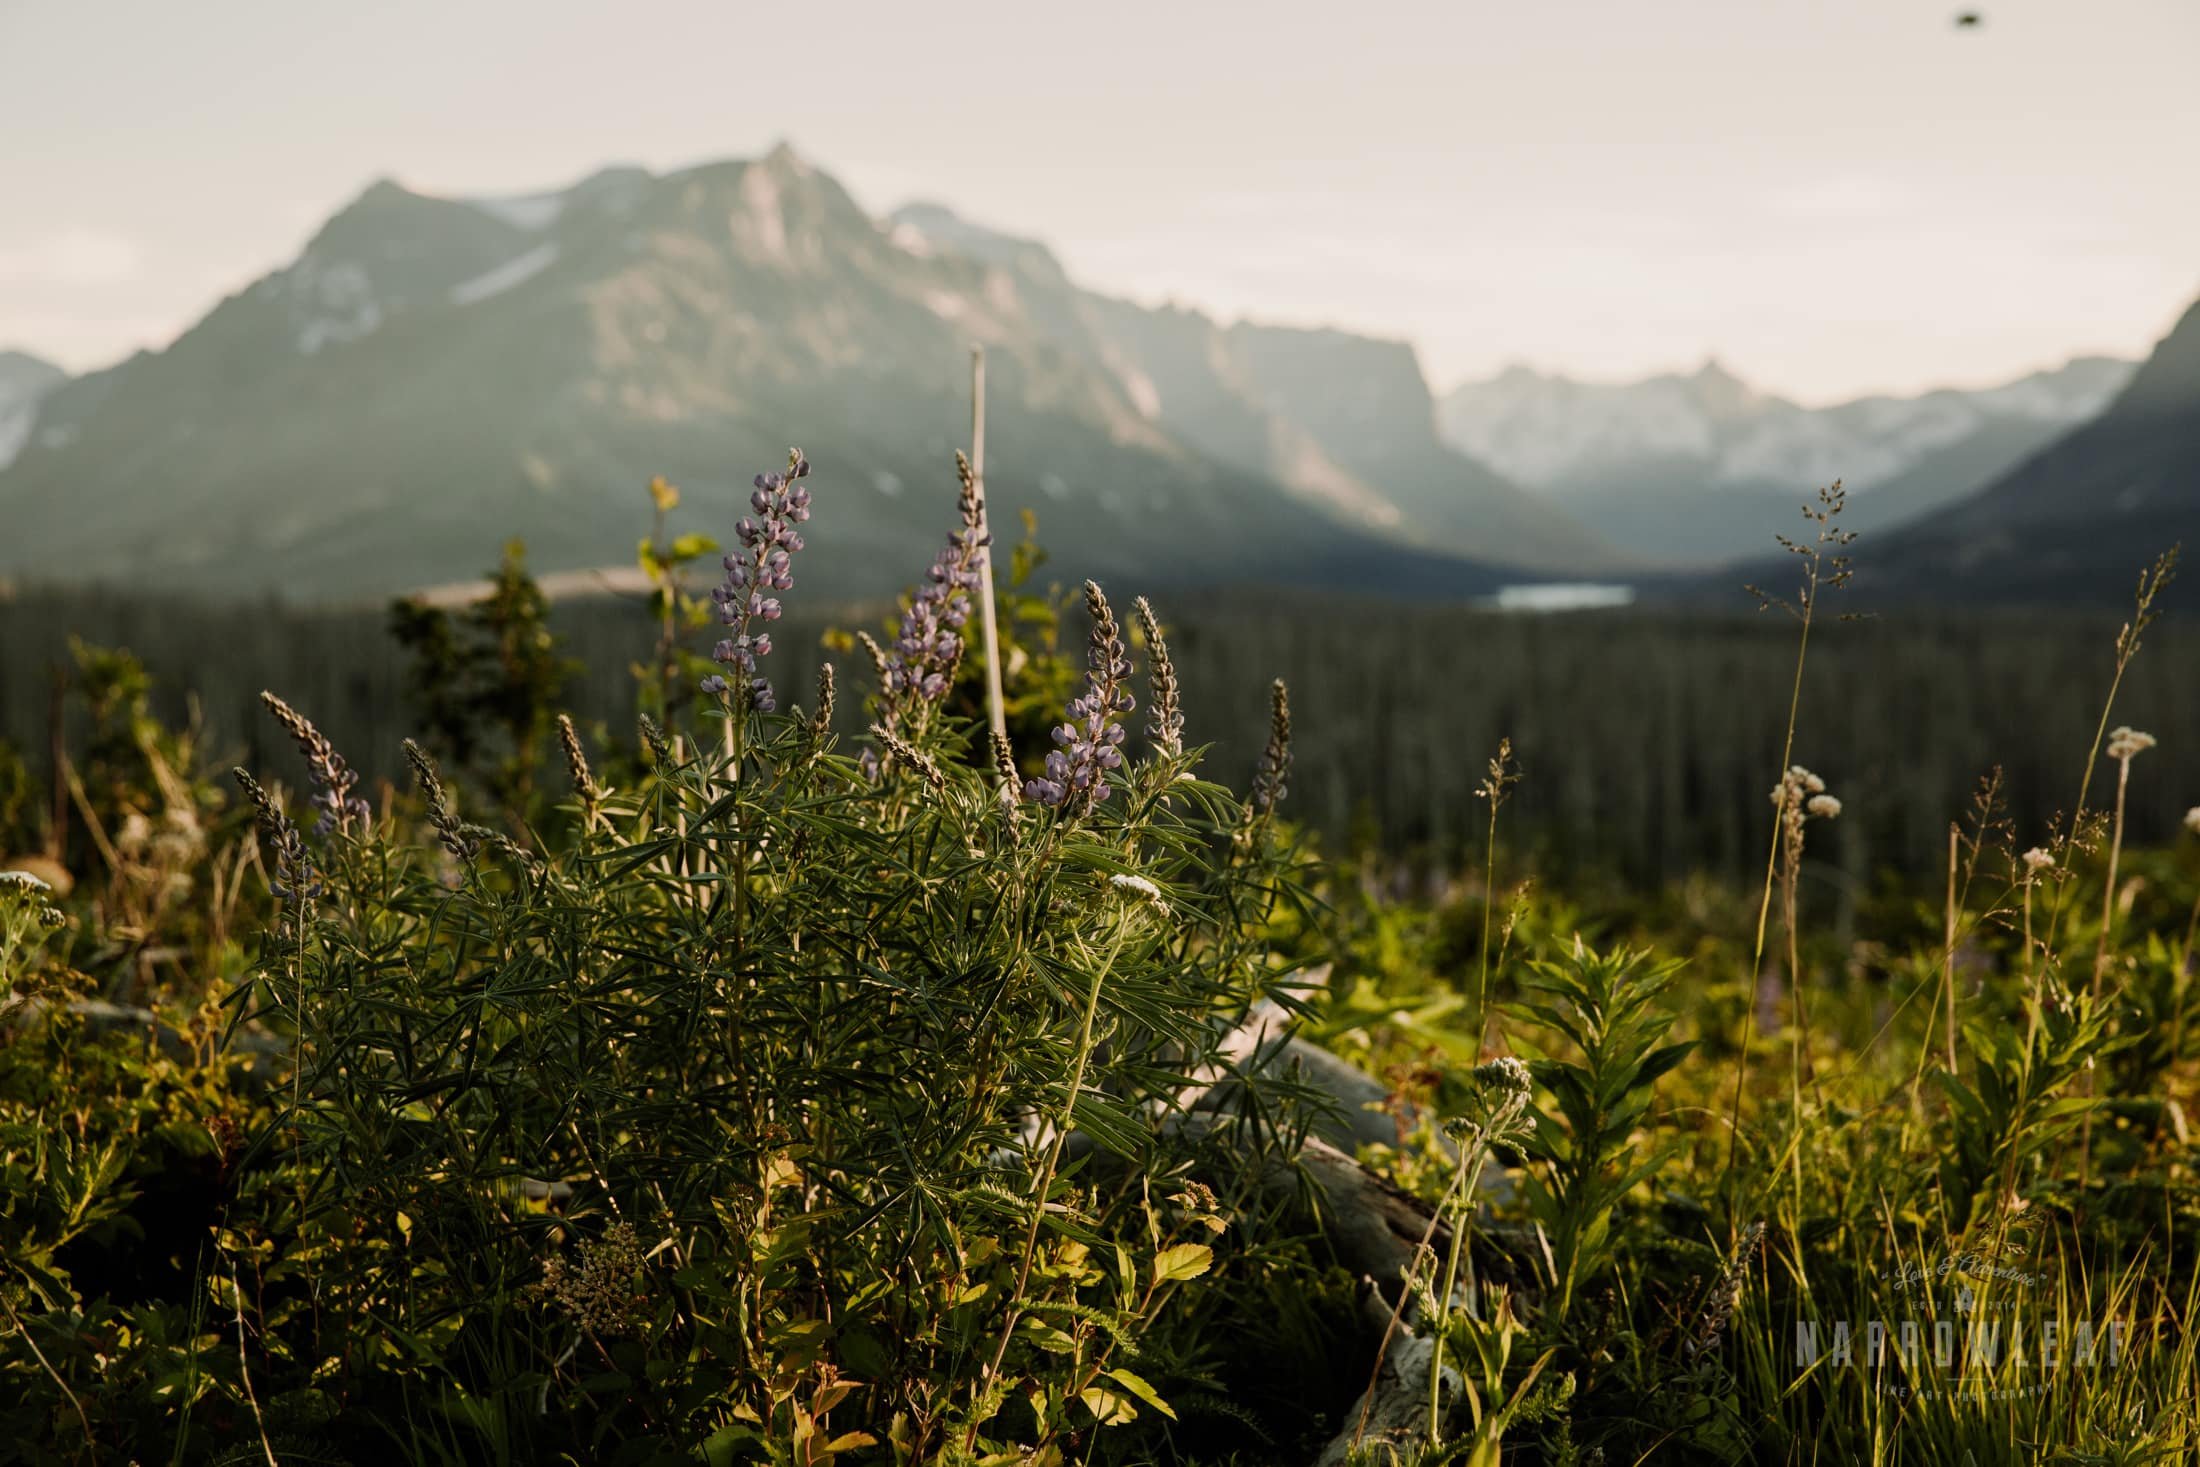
<point x="1564" y="596"/>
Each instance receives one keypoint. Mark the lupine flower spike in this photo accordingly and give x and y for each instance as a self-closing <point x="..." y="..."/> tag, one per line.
<point x="1270" y="783"/>
<point x="877" y="654"/>
<point x="1089" y="745"/>
<point x="760" y="566"/>
<point x="457" y="838"/>
<point x="1164" y="710"/>
<point x="821" y="722"/>
<point x="909" y="755"/>
<point x="293" y="880"/>
<point x="928" y="646"/>
<point x="1011" y="788"/>
<point x="576" y="759"/>
<point x="333" y="779"/>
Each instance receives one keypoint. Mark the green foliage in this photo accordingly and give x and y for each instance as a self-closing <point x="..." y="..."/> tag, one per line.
<point x="1604" y="1006"/>
<point x="486" y="682"/>
<point x="719" y="1124"/>
<point x="2016" y="1102"/>
<point x="666" y="683"/>
<point x="21" y="818"/>
<point x="782" y="1097"/>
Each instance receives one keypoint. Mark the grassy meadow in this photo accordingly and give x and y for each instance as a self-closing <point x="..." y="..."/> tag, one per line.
<point x="682" y="1031"/>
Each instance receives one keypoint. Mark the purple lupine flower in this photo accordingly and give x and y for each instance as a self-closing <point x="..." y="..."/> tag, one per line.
<point x="920" y="667"/>
<point x="1089" y="745"/>
<point x="759" y="567"/>
<point x="333" y="779"/>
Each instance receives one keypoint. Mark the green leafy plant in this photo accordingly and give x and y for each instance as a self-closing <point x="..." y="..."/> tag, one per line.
<point x="1604" y="1005"/>
<point x="487" y="680"/>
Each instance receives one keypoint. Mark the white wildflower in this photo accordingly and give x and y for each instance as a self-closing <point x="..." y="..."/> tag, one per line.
<point x="23" y="880"/>
<point x="2037" y="858"/>
<point x="1797" y="786"/>
<point x="1506" y="1073"/>
<point x="1824" y="806"/>
<point x="2127" y="742"/>
<point x="1136" y="886"/>
<point x="2192" y="820"/>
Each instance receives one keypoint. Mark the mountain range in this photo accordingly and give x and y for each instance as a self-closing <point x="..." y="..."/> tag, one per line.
<point x="432" y="376"/>
<point x="1687" y="468"/>
<point x="2077" y="521"/>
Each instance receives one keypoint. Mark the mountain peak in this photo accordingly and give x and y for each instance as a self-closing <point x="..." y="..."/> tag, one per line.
<point x="925" y="227"/>
<point x="382" y="192"/>
<point x="1722" y="394"/>
<point x="784" y="158"/>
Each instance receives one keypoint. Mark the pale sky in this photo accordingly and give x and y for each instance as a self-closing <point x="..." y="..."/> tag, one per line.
<point x="1831" y="197"/>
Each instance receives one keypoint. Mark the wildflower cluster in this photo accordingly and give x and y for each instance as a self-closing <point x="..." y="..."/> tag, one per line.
<point x="1801" y="794"/>
<point x="929" y="644"/>
<point x="599" y="1293"/>
<point x="333" y="779"/>
<point x="2126" y="743"/>
<point x="768" y="543"/>
<point x="1504" y="1073"/>
<point x="25" y="917"/>
<point x="1089" y="745"/>
<point x="1136" y="888"/>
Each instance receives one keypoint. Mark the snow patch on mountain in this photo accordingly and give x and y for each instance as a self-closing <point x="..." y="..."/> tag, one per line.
<point x="332" y="302"/>
<point x="531" y="212"/>
<point x="512" y="272"/>
<point x="1547" y="430"/>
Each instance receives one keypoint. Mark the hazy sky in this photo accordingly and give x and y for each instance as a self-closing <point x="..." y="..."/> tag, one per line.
<point x="1832" y="197"/>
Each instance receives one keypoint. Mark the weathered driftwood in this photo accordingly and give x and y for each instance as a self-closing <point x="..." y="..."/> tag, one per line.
<point x="1394" y="1410"/>
<point x="1374" y="1230"/>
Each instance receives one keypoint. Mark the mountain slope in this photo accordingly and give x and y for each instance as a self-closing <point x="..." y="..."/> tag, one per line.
<point x="25" y="382"/>
<point x="1342" y="420"/>
<point x="432" y="376"/>
<point x="2077" y="520"/>
<point x="1701" y="468"/>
